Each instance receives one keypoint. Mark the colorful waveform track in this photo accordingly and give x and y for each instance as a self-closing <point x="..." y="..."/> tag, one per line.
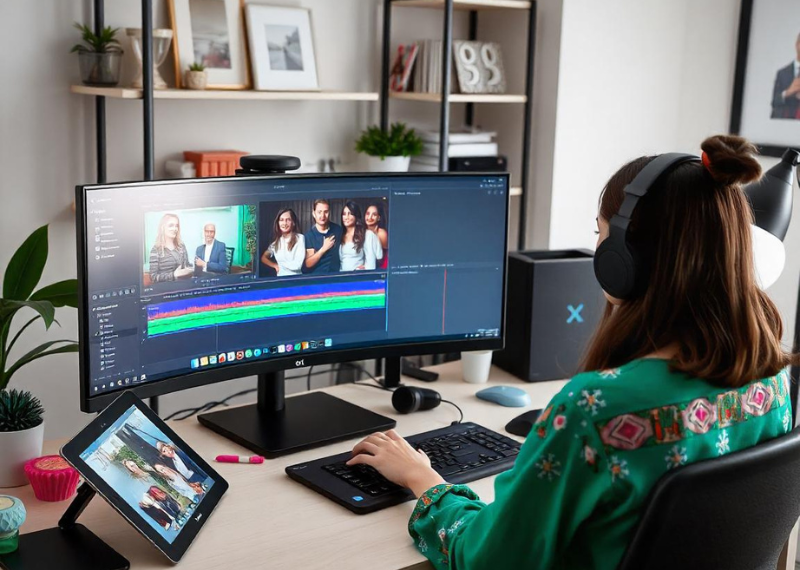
<point x="218" y="310"/>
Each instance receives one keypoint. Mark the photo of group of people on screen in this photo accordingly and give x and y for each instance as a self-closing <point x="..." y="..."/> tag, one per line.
<point x="150" y="473"/>
<point x="357" y="241"/>
<point x="198" y="243"/>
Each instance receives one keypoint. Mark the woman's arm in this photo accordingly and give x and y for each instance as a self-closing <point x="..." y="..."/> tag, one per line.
<point x="266" y="258"/>
<point x="383" y="236"/>
<point x="159" y="274"/>
<point x="371" y="245"/>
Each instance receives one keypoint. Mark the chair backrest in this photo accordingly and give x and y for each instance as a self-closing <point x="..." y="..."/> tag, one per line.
<point x="734" y="512"/>
<point x="229" y="256"/>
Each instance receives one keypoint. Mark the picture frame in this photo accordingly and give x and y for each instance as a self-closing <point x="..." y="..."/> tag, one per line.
<point x="211" y="32"/>
<point x="281" y="48"/>
<point x="767" y="54"/>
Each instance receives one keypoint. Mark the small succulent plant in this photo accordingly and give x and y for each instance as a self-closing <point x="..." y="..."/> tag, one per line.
<point x="399" y="140"/>
<point x="196" y="66"/>
<point x="19" y="410"/>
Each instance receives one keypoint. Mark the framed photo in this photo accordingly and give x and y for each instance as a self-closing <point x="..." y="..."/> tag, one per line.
<point x="281" y="48"/>
<point x="211" y="32"/>
<point x="766" y="97"/>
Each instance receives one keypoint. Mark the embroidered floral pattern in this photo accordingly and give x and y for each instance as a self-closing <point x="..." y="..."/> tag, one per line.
<point x="757" y="401"/>
<point x="787" y="421"/>
<point x="549" y="467"/>
<point x="723" y="443"/>
<point x="422" y="546"/>
<point x="559" y="422"/>
<point x="589" y="455"/>
<point x="699" y="416"/>
<point x="676" y="457"/>
<point x="610" y="373"/>
<point x="592" y="401"/>
<point x="618" y="468"/>
<point x="627" y="431"/>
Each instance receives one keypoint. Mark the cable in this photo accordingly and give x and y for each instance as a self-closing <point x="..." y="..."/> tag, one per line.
<point x="460" y="411"/>
<point x="308" y="378"/>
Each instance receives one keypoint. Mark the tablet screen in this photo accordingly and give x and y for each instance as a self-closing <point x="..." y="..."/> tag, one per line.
<point x="152" y="474"/>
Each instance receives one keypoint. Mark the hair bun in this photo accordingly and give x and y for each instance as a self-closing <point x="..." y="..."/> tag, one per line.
<point x="731" y="159"/>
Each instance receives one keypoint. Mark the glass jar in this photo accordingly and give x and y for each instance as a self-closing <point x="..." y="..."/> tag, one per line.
<point x="100" y="69"/>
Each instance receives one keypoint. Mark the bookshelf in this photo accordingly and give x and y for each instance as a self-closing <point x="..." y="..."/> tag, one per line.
<point x="244" y="95"/>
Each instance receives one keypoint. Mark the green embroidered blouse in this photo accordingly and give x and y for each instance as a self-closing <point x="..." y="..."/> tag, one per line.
<point x="574" y="496"/>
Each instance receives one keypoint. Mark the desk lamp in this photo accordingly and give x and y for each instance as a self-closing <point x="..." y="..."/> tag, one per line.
<point x="771" y="200"/>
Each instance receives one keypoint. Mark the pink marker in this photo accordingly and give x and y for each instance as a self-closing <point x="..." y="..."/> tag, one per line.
<point x="239" y="459"/>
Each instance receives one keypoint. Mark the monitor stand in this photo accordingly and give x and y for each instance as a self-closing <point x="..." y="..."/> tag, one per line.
<point x="277" y="425"/>
<point x="70" y="546"/>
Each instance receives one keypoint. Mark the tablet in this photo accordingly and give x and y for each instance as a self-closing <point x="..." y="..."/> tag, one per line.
<point x="147" y="473"/>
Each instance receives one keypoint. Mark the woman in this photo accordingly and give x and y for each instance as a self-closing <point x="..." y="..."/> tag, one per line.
<point x="287" y="252"/>
<point x="360" y="249"/>
<point x="167" y="503"/>
<point x="169" y="258"/>
<point x="154" y="510"/>
<point x="177" y="482"/>
<point x="689" y="368"/>
<point x="373" y="218"/>
<point x="134" y="469"/>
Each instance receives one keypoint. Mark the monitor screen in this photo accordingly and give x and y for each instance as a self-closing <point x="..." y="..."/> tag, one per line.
<point x="192" y="281"/>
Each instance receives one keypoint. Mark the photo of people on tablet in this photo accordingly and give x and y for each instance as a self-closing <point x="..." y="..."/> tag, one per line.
<point x="153" y="475"/>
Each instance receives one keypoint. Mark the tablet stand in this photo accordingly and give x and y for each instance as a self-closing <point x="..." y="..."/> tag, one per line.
<point x="70" y="546"/>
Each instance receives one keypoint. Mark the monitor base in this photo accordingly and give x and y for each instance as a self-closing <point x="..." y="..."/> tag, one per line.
<point x="74" y="548"/>
<point x="305" y="421"/>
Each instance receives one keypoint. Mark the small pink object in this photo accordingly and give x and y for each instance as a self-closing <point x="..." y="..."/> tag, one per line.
<point x="239" y="459"/>
<point x="52" y="478"/>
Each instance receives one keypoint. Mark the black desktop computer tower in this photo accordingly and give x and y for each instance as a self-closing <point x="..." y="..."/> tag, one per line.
<point x="554" y="304"/>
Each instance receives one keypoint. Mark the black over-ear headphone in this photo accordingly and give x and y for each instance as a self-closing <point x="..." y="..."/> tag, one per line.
<point x="617" y="265"/>
<point x="407" y="399"/>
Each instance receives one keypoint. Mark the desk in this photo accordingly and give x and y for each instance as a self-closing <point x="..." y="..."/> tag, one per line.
<point x="267" y="520"/>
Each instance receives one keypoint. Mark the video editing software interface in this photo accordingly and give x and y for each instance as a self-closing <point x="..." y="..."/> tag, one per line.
<point x="191" y="276"/>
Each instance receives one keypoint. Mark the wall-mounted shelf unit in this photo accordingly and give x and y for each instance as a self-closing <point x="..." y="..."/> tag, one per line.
<point x="459" y="98"/>
<point x="444" y="98"/>
<point x="207" y="95"/>
<point x="468" y="4"/>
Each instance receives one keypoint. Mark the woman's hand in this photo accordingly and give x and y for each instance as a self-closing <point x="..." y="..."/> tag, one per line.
<point x="396" y="460"/>
<point x="183" y="272"/>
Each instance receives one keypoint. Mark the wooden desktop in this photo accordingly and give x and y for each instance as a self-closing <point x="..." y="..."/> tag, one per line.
<point x="267" y="520"/>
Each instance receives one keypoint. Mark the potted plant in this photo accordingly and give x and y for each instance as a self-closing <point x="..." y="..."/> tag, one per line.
<point x="389" y="151"/>
<point x="21" y="434"/>
<point x="99" y="56"/>
<point x="196" y="76"/>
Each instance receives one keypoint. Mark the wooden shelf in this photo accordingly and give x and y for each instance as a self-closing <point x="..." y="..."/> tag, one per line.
<point x="131" y="93"/>
<point x="459" y="97"/>
<point x="468" y="4"/>
<point x="516" y="191"/>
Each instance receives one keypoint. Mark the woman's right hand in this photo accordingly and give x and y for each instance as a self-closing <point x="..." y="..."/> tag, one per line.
<point x="183" y="272"/>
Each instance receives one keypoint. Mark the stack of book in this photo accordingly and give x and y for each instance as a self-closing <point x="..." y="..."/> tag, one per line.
<point x="461" y="143"/>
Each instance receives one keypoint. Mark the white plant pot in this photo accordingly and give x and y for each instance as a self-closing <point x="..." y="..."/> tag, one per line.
<point x="388" y="164"/>
<point x="17" y="447"/>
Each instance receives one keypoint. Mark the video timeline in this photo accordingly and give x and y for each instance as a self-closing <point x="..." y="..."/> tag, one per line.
<point x="191" y="314"/>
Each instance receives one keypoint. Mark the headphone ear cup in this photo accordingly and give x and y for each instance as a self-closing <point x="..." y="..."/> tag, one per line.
<point x="615" y="266"/>
<point x="407" y="399"/>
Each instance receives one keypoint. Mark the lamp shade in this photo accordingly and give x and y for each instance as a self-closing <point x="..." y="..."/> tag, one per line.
<point x="771" y="197"/>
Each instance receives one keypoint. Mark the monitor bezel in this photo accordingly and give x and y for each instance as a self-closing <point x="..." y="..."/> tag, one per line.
<point x="91" y="404"/>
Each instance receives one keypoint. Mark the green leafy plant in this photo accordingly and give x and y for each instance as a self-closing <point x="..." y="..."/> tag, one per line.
<point x="105" y="42"/>
<point x="398" y="141"/>
<point x="197" y="67"/>
<point x="19" y="411"/>
<point x="21" y="277"/>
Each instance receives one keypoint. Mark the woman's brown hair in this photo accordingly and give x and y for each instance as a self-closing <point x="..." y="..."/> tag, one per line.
<point x="692" y="230"/>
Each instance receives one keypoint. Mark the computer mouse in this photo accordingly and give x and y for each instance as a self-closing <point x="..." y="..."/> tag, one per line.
<point x="505" y="396"/>
<point x="523" y="423"/>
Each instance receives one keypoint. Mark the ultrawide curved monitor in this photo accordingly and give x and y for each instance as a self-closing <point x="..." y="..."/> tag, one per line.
<point x="188" y="282"/>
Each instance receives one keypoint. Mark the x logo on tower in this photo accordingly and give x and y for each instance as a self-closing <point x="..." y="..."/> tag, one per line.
<point x="575" y="313"/>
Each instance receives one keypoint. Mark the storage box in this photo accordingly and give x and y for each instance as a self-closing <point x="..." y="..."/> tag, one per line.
<point x="553" y="307"/>
<point x="214" y="162"/>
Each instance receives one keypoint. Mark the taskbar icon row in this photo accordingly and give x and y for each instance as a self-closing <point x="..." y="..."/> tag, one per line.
<point x="251" y="353"/>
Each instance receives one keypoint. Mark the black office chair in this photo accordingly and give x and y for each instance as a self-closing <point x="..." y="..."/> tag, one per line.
<point x="229" y="256"/>
<point x="735" y="512"/>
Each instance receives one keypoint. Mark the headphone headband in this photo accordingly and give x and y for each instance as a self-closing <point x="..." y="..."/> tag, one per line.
<point x="616" y="265"/>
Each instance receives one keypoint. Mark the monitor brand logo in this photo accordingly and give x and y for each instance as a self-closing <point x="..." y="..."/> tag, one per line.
<point x="575" y="313"/>
<point x="300" y="363"/>
<point x="198" y="517"/>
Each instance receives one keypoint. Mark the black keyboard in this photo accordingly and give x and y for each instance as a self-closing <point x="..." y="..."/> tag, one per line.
<point x="460" y="453"/>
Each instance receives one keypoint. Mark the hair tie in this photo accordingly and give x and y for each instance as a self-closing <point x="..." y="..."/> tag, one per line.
<point x="706" y="161"/>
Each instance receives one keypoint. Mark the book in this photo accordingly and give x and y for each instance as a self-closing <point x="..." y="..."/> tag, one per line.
<point x="475" y="149"/>
<point x="458" y="136"/>
<point x="402" y="67"/>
